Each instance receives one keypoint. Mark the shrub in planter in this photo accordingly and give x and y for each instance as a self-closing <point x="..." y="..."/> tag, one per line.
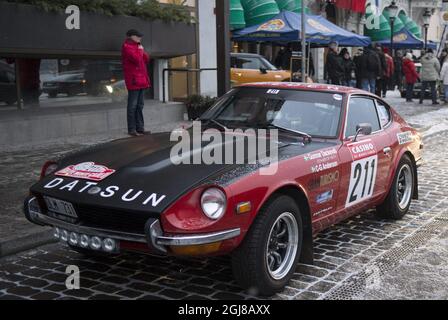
<point x="197" y="105"/>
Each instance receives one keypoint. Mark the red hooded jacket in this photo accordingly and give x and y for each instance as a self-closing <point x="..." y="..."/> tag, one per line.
<point x="135" y="62"/>
<point x="409" y="71"/>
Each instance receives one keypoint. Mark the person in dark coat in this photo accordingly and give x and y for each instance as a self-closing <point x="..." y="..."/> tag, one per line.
<point x="349" y="69"/>
<point x="334" y="69"/>
<point x="398" y="74"/>
<point x="369" y="69"/>
<point x="381" y="82"/>
<point x="356" y="61"/>
<point x="283" y="58"/>
<point x="135" y="61"/>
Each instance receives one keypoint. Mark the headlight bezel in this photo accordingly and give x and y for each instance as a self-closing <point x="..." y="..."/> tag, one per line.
<point x="206" y="199"/>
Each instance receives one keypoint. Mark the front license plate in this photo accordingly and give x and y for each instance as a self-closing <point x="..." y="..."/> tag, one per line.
<point x="61" y="207"/>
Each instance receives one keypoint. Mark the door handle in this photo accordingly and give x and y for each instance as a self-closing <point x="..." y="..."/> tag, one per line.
<point x="387" y="150"/>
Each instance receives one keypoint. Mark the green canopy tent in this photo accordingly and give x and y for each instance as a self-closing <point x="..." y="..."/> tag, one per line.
<point x="376" y="34"/>
<point x="237" y="20"/>
<point x="291" y="5"/>
<point x="410" y="24"/>
<point x="258" y="11"/>
<point x="398" y="24"/>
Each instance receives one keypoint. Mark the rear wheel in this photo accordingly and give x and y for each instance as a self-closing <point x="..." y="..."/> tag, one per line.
<point x="398" y="200"/>
<point x="267" y="258"/>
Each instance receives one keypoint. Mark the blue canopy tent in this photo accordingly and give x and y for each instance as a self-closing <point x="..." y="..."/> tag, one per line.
<point x="286" y="27"/>
<point x="404" y="39"/>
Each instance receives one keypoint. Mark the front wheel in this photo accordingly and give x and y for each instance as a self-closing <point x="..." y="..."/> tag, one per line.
<point x="267" y="258"/>
<point x="398" y="200"/>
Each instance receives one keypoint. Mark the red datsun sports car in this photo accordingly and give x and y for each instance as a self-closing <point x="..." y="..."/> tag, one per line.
<point x="341" y="151"/>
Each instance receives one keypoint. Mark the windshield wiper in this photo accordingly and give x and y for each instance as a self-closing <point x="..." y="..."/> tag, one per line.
<point x="306" y="137"/>
<point x="218" y="123"/>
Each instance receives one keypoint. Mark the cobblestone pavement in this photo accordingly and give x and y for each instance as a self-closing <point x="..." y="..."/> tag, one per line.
<point x="364" y="257"/>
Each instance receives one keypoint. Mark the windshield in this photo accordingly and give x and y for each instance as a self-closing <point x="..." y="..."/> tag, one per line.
<point x="314" y="113"/>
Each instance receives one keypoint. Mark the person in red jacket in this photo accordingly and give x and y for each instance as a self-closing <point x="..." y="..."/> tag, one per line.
<point x="411" y="76"/>
<point x="135" y="60"/>
<point x="389" y="73"/>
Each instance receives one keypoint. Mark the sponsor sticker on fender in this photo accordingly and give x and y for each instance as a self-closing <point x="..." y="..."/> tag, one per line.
<point x="362" y="149"/>
<point x="404" y="137"/>
<point x="86" y="170"/>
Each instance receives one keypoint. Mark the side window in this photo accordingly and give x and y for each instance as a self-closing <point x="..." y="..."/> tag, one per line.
<point x="361" y="110"/>
<point x="383" y="113"/>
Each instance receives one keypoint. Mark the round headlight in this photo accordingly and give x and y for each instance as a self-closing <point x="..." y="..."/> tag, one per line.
<point x="64" y="235"/>
<point x="213" y="203"/>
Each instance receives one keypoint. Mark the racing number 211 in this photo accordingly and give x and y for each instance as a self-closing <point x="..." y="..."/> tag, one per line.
<point x="362" y="180"/>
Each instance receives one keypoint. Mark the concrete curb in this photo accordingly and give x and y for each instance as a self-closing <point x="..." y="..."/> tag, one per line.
<point x="27" y="242"/>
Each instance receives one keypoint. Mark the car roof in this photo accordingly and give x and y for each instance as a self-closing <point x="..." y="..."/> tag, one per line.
<point x="306" y="86"/>
<point x="242" y="54"/>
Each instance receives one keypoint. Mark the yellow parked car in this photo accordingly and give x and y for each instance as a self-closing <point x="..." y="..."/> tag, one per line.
<point x="248" y="67"/>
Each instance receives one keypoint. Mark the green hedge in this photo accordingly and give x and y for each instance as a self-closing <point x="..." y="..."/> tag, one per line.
<point x="146" y="9"/>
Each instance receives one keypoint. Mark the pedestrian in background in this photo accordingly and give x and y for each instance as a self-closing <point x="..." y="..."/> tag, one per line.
<point x="429" y="75"/>
<point x="444" y="77"/>
<point x="349" y="69"/>
<point x="410" y="74"/>
<point x="356" y="61"/>
<point x="398" y="74"/>
<point x="389" y="73"/>
<point x="283" y="58"/>
<point x="334" y="69"/>
<point x="381" y="79"/>
<point x="369" y="69"/>
<point x="135" y="61"/>
<point x="443" y="56"/>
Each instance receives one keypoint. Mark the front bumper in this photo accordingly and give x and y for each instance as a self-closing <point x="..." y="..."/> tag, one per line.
<point x="154" y="236"/>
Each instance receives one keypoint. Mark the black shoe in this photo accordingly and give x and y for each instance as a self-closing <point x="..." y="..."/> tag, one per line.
<point x="435" y="103"/>
<point x="143" y="132"/>
<point x="133" y="134"/>
<point x="420" y="102"/>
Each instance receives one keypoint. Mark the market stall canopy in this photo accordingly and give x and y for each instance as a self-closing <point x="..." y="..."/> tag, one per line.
<point x="376" y="27"/>
<point x="291" y="5"/>
<point x="257" y="11"/>
<point x="398" y="24"/>
<point x="286" y="27"/>
<point x="410" y="25"/>
<point x="406" y="40"/>
<point x="237" y="20"/>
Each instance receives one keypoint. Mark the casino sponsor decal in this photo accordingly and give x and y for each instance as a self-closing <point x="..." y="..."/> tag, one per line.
<point x="404" y="137"/>
<point x="89" y="187"/>
<point x="362" y="149"/>
<point x="86" y="170"/>
<point x="324" y="197"/>
<point x="324" y="180"/>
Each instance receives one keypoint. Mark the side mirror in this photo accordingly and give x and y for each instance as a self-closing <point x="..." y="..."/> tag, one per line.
<point x="363" y="128"/>
<point x="263" y="71"/>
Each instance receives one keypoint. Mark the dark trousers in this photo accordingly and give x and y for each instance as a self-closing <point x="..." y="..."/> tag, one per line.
<point x="409" y="91"/>
<point x="135" y="111"/>
<point x="335" y="81"/>
<point x="432" y="85"/>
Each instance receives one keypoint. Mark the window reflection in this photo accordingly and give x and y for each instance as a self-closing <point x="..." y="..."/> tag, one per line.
<point x="61" y="82"/>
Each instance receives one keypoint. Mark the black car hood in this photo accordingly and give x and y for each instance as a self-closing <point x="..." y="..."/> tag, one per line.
<point x="144" y="174"/>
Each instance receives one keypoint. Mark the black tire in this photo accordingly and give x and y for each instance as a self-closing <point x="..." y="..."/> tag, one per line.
<point x="391" y="208"/>
<point x="403" y="94"/>
<point x="250" y="261"/>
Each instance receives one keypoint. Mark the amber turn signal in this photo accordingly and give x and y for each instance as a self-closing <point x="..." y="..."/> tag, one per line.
<point x="243" y="207"/>
<point x="195" y="250"/>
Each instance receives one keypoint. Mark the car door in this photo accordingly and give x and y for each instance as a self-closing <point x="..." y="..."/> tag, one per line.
<point x="246" y="69"/>
<point x="365" y="162"/>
